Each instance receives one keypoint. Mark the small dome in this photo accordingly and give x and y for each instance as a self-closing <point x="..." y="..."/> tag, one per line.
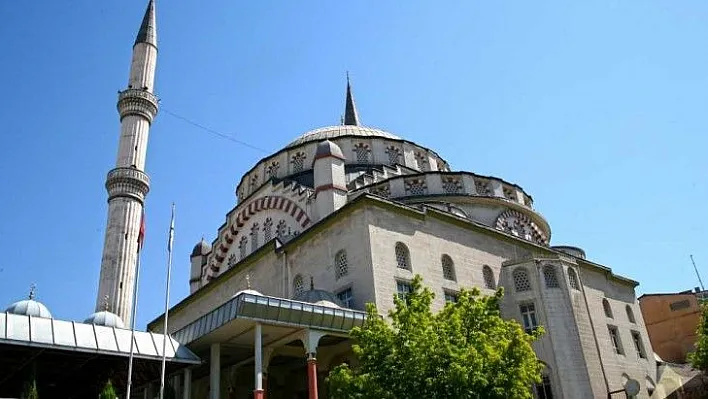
<point x="318" y="297"/>
<point x="328" y="149"/>
<point x="29" y="307"/>
<point x="248" y="291"/>
<point x="105" y="318"/>
<point x="202" y="248"/>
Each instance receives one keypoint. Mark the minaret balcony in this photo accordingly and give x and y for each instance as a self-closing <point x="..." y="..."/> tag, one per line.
<point x="127" y="182"/>
<point x="137" y="102"/>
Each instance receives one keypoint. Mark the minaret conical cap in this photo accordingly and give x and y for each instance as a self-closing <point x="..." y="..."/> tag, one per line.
<point x="351" y="116"/>
<point x="148" y="29"/>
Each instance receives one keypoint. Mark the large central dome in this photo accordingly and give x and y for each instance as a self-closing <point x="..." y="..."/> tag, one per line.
<point x="330" y="132"/>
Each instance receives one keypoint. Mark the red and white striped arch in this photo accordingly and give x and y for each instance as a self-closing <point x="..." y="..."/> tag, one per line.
<point x="237" y="222"/>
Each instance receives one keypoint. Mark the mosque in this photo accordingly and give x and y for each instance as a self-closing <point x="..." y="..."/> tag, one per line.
<point x="343" y="216"/>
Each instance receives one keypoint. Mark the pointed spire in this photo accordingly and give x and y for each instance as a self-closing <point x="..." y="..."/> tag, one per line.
<point x="33" y="290"/>
<point x="312" y="283"/>
<point x="351" y="117"/>
<point x="148" y="29"/>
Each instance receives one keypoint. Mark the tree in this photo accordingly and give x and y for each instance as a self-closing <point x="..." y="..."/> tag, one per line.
<point x="30" y="390"/>
<point x="465" y="351"/>
<point x="699" y="358"/>
<point x="108" y="392"/>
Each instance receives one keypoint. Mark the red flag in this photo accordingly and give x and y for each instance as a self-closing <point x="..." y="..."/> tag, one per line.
<point x="141" y="234"/>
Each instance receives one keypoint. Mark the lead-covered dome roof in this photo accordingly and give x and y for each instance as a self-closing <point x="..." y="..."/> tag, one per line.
<point x="105" y="318"/>
<point x="29" y="307"/>
<point x="331" y="132"/>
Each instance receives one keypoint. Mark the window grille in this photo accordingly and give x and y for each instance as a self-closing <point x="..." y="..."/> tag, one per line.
<point x="298" y="285"/>
<point x="416" y="187"/>
<point x="521" y="280"/>
<point x="340" y="264"/>
<point x="448" y="268"/>
<point x="298" y="162"/>
<point x="549" y="275"/>
<point x="280" y="230"/>
<point x="543" y="390"/>
<point x="403" y="259"/>
<point x="267" y="230"/>
<point x="573" y="279"/>
<point x="232" y="261"/>
<point x="272" y="170"/>
<point x="422" y="160"/>
<point x="489" y="280"/>
<point x="362" y="153"/>
<point x="394" y="155"/>
<point x="451" y="185"/>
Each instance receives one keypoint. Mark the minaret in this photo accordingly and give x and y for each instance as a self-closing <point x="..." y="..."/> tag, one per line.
<point x="127" y="184"/>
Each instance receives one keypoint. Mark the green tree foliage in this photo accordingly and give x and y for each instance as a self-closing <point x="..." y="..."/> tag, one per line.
<point x="30" y="390"/>
<point x="108" y="392"/>
<point x="465" y="351"/>
<point x="699" y="358"/>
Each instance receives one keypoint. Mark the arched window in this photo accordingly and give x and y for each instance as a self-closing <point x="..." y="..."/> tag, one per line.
<point x="340" y="264"/>
<point x="403" y="256"/>
<point x="298" y="284"/>
<point x="608" y="309"/>
<point x="298" y="161"/>
<point x="549" y="275"/>
<point x="280" y="229"/>
<point x="573" y="279"/>
<point x="448" y="268"/>
<point x="242" y="243"/>
<point x="630" y="314"/>
<point x="543" y="390"/>
<point x="489" y="280"/>
<point x="254" y="237"/>
<point x="267" y="230"/>
<point x="394" y="154"/>
<point x="362" y="152"/>
<point x="521" y="280"/>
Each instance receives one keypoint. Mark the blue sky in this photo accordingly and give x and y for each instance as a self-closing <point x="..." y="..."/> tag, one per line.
<point x="597" y="109"/>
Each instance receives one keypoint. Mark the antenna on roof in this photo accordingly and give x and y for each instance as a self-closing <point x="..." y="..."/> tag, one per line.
<point x="697" y="274"/>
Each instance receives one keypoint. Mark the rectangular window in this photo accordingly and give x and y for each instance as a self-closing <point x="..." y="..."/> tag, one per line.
<point x="450" y="296"/>
<point x="528" y="316"/>
<point x="346" y="298"/>
<point x="543" y="390"/>
<point x="637" y="338"/>
<point x="403" y="288"/>
<point x="615" y="338"/>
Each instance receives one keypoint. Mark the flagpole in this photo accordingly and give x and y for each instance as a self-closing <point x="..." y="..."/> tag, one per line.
<point x="141" y="237"/>
<point x="167" y="300"/>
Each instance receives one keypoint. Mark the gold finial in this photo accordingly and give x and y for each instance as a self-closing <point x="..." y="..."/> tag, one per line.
<point x="248" y="281"/>
<point x="33" y="290"/>
<point x="106" y="306"/>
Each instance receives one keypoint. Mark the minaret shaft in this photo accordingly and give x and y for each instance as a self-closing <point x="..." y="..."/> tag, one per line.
<point x="127" y="184"/>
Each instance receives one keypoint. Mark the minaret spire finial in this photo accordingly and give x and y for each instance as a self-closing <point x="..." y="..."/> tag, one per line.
<point x="351" y="116"/>
<point x="33" y="290"/>
<point x="312" y="283"/>
<point x="148" y="29"/>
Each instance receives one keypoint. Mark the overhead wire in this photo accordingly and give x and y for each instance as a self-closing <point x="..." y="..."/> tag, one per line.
<point x="212" y="131"/>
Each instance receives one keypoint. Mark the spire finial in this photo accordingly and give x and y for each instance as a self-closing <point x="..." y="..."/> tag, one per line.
<point x="106" y="306"/>
<point x="148" y="28"/>
<point x="312" y="283"/>
<point x="248" y="281"/>
<point x="33" y="290"/>
<point x="351" y="116"/>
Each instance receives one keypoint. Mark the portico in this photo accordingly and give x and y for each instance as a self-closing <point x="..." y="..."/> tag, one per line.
<point x="265" y="345"/>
